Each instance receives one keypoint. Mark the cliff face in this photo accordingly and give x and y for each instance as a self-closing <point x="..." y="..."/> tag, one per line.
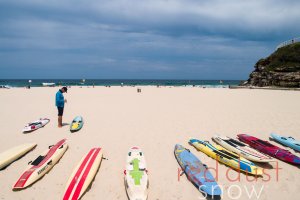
<point x="281" y="69"/>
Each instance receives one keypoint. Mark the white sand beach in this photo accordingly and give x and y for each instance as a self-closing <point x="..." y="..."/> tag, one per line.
<point x="118" y="118"/>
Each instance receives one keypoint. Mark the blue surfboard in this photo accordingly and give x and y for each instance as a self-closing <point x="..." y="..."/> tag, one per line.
<point x="196" y="171"/>
<point x="287" y="141"/>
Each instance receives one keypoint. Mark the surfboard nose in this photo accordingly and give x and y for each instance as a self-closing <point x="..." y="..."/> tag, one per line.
<point x="178" y="146"/>
<point x="193" y="141"/>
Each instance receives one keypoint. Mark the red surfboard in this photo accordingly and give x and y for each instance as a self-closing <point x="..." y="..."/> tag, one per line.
<point x="41" y="165"/>
<point x="83" y="174"/>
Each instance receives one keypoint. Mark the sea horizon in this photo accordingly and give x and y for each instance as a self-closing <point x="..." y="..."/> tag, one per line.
<point x="118" y="82"/>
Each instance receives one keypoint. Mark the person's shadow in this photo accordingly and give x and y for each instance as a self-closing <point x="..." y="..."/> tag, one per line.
<point x="65" y="124"/>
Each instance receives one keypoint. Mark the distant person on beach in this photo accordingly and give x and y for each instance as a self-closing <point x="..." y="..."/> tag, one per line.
<point x="60" y="104"/>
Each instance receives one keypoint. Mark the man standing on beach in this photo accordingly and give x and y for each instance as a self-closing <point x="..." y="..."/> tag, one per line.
<point x="60" y="104"/>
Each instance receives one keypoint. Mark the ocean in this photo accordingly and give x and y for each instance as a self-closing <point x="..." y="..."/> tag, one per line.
<point x="117" y="82"/>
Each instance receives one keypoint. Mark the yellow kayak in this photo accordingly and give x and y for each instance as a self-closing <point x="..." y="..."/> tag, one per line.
<point x="226" y="157"/>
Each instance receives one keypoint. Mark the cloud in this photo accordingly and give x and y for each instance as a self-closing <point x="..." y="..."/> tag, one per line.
<point x="144" y="38"/>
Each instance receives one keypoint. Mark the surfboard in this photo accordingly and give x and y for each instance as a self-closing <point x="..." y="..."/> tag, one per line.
<point x="269" y="149"/>
<point x="41" y="165"/>
<point x="197" y="172"/>
<point x="286" y="141"/>
<point x="76" y="124"/>
<point x="32" y="126"/>
<point x="136" y="177"/>
<point x="7" y="157"/>
<point x="241" y="149"/>
<point x="83" y="174"/>
<point x="226" y="157"/>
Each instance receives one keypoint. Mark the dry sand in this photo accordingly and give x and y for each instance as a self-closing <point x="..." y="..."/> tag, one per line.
<point x="117" y="118"/>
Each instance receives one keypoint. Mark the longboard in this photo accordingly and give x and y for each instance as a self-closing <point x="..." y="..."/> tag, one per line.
<point x="76" y="124"/>
<point x="196" y="171"/>
<point x="41" y="165"/>
<point x="269" y="149"/>
<point x="7" y="157"/>
<point x="83" y="174"/>
<point x="286" y="141"/>
<point x="32" y="126"/>
<point x="228" y="158"/>
<point x="241" y="149"/>
<point x="136" y="177"/>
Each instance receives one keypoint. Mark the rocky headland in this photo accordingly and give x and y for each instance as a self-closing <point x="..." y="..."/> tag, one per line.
<point x="280" y="69"/>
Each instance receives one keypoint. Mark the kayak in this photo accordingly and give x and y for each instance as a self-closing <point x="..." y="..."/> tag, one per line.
<point x="287" y="141"/>
<point x="228" y="158"/>
<point x="269" y="149"/>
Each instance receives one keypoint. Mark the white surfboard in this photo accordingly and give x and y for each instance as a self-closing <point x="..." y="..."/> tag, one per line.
<point x="35" y="125"/>
<point x="136" y="177"/>
<point x="14" y="153"/>
<point x="241" y="149"/>
<point x="41" y="165"/>
<point x="83" y="174"/>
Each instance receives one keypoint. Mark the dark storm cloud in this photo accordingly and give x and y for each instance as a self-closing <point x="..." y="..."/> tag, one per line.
<point x="141" y="39"/>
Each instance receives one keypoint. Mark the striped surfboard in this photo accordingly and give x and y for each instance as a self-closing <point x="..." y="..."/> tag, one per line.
<point x="83" y="174"/>
<point x="41" y="165"/>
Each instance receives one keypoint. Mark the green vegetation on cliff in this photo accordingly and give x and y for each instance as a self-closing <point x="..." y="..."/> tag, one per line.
<point x="280" y="69"/>
<point x="285" y="59"/>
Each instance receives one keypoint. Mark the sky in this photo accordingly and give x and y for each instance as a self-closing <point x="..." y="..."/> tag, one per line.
<point x="141" y="39"/>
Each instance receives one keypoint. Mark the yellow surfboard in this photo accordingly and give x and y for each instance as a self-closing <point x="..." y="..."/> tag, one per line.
<point x="228" y="158"/>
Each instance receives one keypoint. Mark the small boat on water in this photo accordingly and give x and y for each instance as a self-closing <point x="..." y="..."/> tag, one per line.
<point x="48" y="84"/>
<point x="82" y="82"/>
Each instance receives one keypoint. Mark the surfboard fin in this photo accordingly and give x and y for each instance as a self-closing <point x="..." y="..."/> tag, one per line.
<point x="181" y="173"/>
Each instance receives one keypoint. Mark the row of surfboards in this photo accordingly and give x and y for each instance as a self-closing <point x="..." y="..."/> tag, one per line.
<point x="135" y="174"/>
<point x="76" y="124"/>
<point x="237" y="154"/>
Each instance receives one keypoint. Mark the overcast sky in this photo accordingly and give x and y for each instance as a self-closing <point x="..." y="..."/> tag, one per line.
<point x="141" y="39"/>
